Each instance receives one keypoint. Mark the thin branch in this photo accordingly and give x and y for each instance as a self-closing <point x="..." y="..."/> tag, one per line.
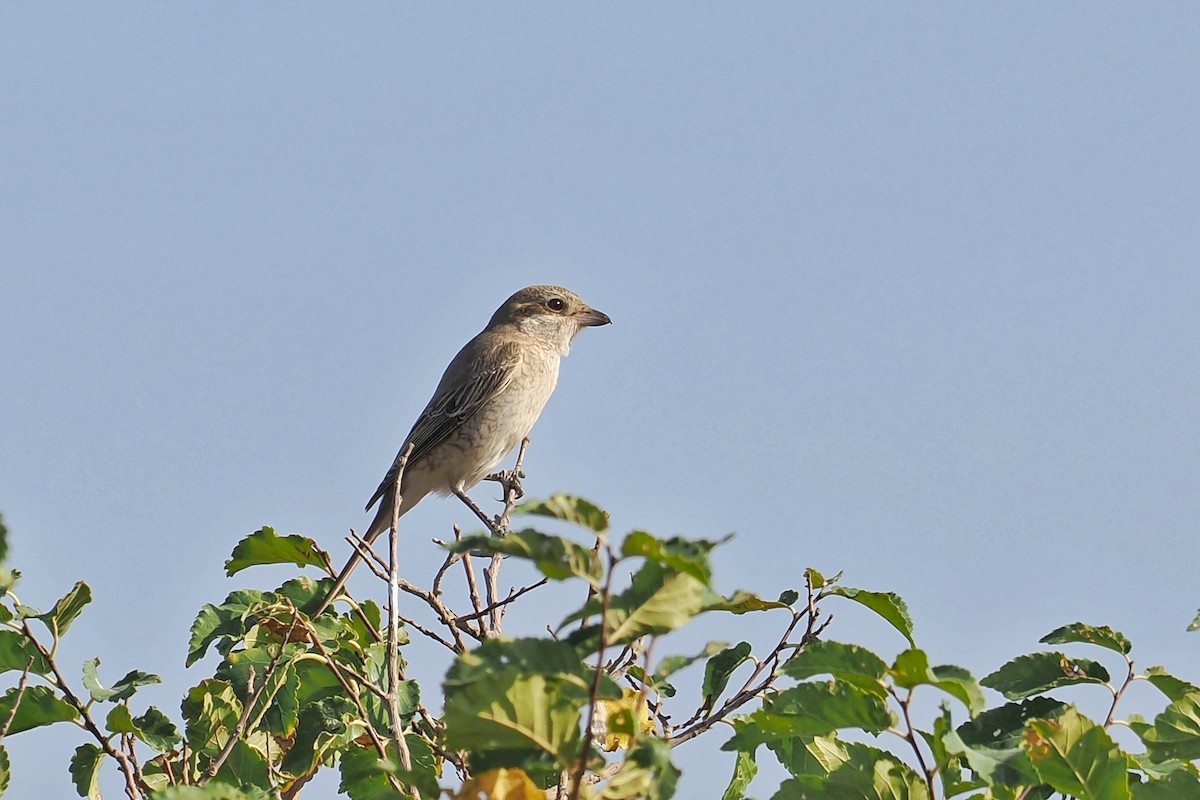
<point x="393" y="637"/>
<point x="594" y="692"/>
<point x="511" y="597"/>
<point x="1129" y="678"/>
<point x="135" y="784"/>
<point x="910" y="736"/>
<point x="17" y="700"/>
<point x="239" y="730"/>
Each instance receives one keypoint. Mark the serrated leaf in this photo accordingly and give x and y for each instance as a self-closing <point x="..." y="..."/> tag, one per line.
<point x="1035" y="673"/>
<point x="5" y="770"/>
<point x="85" y="770"/>
<point x="991" y="742"/>
<point x="1174" y="688"/>
<point x="821" y="657"/>
<point x="887" y="605"/>
<point x="719" y="669"/>
<point x="1077" y="757"/>
<point x="739" y="603"/>
<point x="556" y="557"/>
<point x="809" y="755"/>
<point x="867" y="774"/>
<point x="658" y="601"/>
<point x="1175" y="786"/>
<point x="36" y="706"/>
<point x="689" y="556"/>
<point x="1078" y="632"/>
<point x="1176" y="731"/>
<point x="518" y="703"/>
<point x="264" y="546"/>
<point x="812" y="709"/>
<point x="18" y="653"/>
<point x="68" y="608"/>
<point x="568" y="508"/>
<point x="912" y="669"/>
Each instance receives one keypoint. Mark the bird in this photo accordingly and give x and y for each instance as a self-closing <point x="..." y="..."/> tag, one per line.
<point x="486" y="403"/>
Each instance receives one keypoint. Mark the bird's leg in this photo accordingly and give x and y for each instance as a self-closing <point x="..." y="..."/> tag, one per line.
<point x="461" y="495"/>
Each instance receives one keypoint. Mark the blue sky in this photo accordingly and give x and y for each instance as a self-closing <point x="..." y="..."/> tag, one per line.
<point x="908" y="291"/>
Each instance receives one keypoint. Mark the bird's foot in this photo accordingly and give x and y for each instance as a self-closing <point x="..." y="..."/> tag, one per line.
<point x="510" y="479"/>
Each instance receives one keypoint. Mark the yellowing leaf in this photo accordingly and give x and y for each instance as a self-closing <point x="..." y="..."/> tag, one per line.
<point x="500" y="784"/>
<point x="619" y="720"/>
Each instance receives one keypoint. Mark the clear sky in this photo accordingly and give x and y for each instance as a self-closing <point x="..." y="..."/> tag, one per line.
<point x="906" y="290"/>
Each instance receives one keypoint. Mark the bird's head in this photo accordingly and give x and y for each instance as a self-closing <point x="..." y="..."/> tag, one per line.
<point x="551" y="313"/>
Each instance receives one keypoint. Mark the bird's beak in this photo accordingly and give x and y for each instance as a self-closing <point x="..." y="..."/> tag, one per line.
<point x="591" y="317"/>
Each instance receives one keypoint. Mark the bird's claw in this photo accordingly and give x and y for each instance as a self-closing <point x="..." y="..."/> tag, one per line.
<point x="510" y="479"/>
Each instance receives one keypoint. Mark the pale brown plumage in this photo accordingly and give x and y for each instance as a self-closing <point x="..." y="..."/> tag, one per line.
<point x="486" y="403"/>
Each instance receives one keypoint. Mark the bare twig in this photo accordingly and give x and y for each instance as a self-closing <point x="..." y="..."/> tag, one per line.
<point x="1129" y="679"/>
<point x="909" y="735"/>
<point x="135" y="784"/>
<point x="511" y="597"/>
<point x="239" y="730"/>
<point x="594" y="692"/>
<point x="393" y="637"/>
<point x="17" y="700"/>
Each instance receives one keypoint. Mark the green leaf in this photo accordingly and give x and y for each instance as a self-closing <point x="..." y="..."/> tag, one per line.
<point x="740" y="602"/>
<point x="912" y="669"/>
<point x="867" y="774"/>
<point x="1077" y="757"/>
<point x="886" y="604"/>
<point x="689" y="556"/>
<point x="154" y="728"/>
<point x="122" y="690"/>
<point x="517" y="702"/>
<point x="67" y="609"/>
<point x="812" y="709"/>
<point x="36" y="706"/>
<point x="265" y="547"/>
<point x="5" y="770"/>
<point x="719" y="668"/>
<point x="1174" y="688"/>
<point x="1195" y="623"/>
<point x="568" y="508"/>
<point x="1176" y="731"/>
<point x="744" y="770"/>
<point x="85" y="770"/>
<point x="672" y="664"/>
<point x="647" y="773"/>
<point x="809" y="755"/>
<point x="826" y="657"/>
<point x="1035" y="673"/>
<point x="213" y="790"/>
<point x="3" y="541"/>
<point x="556" y="557"/>
<point x="18" y="653"/>
<point x="789" y="597"/>
<point x="1101" y="635"/>
<point x="225" y="624"/>
<point x="1176" y="786"/>
<point x="658" y="601"/>
<point x="991" y="742"/>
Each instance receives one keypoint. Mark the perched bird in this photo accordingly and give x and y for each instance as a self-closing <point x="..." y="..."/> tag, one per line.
<point x="486" y="403"/>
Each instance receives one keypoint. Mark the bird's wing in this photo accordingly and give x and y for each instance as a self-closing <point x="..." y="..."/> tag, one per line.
<point x="487" y="376"/>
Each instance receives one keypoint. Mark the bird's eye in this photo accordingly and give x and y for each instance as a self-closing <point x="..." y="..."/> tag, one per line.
<point x="555" y="304"/>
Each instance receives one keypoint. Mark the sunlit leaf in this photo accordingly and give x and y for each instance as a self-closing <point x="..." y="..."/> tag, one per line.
<point x="1035" y="673"/>
<point x="827" y="657"/>
<point x="689" y="556"/>
<point x="67" y="609"/>
<point x="264" y="546"/>
<point x="568" y="508"/>
<point x="1174" y="688"/>
<point x="812" y="709"/>
<point x="912" y="669"/>
<point x="868" y="774"/>
<point x="886" y="604"/>
<point x="740" y="602"/>
<point x="1077" y="757"/>
<point x="744" y="770"/>
<point x="556" y="557"/>
<point x="1101" y="635"/>
<point x="500" y="784"/>
<point x="1178" y="785"/>
<point x="121" y="690"/>
<point x="1176" y="731"/>
<point x="647" y="773"/>
<point x="658" y="601"/>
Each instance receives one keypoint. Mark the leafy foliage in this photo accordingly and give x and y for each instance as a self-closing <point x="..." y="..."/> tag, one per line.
<point x="588" y="710"/>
